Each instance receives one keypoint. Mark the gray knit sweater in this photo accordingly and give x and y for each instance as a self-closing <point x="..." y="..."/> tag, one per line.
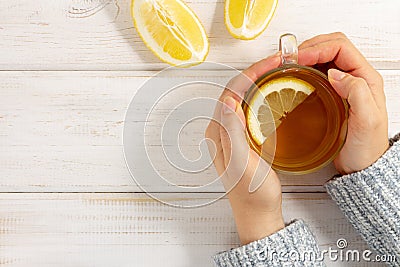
<point x="370" y="199"/>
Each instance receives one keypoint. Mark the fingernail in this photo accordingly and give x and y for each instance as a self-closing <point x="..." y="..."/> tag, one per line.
<point x="335" y="74"/>
<point x="229" y="105"/>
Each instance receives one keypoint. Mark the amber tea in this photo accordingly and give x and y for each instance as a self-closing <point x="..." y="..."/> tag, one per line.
<point x="301" y="121"/>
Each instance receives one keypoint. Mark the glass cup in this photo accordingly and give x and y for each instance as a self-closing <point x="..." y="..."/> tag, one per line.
<point x="311" y="135"/>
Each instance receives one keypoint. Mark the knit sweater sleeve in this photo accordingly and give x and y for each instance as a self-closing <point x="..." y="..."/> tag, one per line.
<point x="370" y="199"/>
<point x="294" y="245"/>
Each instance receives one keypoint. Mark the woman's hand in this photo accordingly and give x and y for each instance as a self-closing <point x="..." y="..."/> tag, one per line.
<point x="253" y="188"/>
<point x="362" y="86"/>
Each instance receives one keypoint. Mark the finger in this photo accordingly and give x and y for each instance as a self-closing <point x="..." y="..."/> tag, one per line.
<point x="321" y="38"/>
<point x="338" y="48"/>
<point x="356" y="91"/>
<point x="232" y="131"/>
<point x="250" y="173"/>
<point x="238" y="85"/>
<point x="259" y="68"/>
<point x="235" y="149"/>
<point x="341" y="51"/>
<point x="346" y="57"/>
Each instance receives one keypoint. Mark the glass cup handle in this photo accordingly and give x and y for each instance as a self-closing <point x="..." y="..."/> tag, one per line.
<point x="288" y="48"/>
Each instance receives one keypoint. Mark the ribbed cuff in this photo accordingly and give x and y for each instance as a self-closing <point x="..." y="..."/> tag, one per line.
<point x="370" y="199"/>
<point x="291" y="246"/>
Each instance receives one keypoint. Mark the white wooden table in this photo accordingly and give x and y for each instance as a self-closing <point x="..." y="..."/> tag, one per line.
<point x="68" y="71"/>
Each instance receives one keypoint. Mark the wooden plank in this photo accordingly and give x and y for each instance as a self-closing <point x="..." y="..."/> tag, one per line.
<point x="88" y="229"/>
<point x="99" y="34"/>
<point x="62" y="132"/>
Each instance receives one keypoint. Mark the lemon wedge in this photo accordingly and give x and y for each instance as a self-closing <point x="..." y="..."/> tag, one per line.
<point x="246" y="19"/>
<point x="171" y="30"/>
<point x="272" y="102"/>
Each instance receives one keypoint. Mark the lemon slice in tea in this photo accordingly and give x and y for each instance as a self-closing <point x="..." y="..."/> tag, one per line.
<point x="171" y="30"/>
<point x="272" y="102"/>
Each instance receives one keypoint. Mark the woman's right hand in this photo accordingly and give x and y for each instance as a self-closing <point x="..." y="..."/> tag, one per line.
<point x="362" y="86"/>
<point x="253" y="188"/>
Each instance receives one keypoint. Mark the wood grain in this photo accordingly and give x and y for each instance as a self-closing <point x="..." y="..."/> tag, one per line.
<point x="87" y="229"/>
<point x="62" y="132"/>
<point x="99" y="34"/>
<point x="68" y="71"/>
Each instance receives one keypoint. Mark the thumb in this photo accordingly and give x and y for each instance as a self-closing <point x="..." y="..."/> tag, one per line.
<point x="232" y="132"/>
<point x="236" y="150"/>
<point x="354" y="89"/>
